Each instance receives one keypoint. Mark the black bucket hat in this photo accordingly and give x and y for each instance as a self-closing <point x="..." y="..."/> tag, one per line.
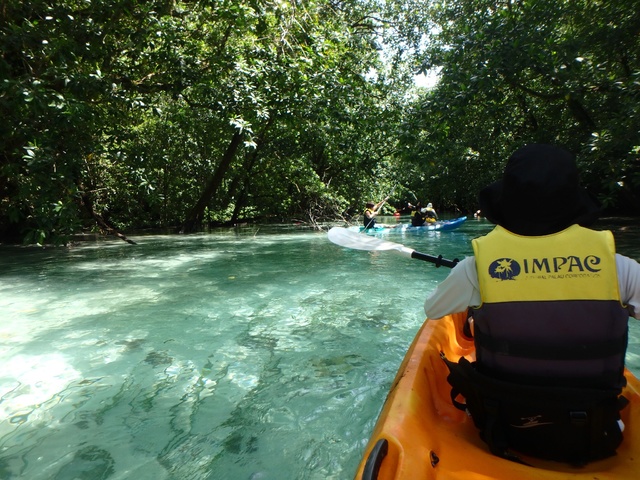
<point x="539" y="193"/>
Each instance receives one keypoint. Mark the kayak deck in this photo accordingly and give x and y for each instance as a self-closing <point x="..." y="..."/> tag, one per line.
<point x="440" y="225"/>
<point x="428" y="438"/>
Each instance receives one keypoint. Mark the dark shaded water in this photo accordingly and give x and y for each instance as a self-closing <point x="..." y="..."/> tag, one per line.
<point x="261" y="353"/>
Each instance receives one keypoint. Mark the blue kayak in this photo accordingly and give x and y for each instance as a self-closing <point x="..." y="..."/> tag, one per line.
<point x="442" y="225"/>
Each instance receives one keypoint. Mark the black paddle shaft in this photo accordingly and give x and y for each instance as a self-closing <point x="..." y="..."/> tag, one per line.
<point x="439" y="261"/>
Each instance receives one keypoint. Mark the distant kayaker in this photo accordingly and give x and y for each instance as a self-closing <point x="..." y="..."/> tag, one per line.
<point x="371" y="211"/>
<point x="430" y="213"/>
<point x="422" y="215"/>
<point x="417" y="217"/>
<point x="550" y="302"/>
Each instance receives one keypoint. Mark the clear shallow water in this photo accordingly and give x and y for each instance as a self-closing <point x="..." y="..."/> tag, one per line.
<point x="241" y="354"/>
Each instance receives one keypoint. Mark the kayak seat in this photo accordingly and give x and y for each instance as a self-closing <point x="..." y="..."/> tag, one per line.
<point x="568" y="424"/>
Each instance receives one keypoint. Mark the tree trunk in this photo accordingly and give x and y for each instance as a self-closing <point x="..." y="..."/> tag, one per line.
<point x="240" y="184"/>
<point x="87" y="202"/>
<point x="196" y="215"/>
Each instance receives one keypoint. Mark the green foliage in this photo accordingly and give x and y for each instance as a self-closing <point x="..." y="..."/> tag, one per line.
<point x="126" y="109"/>
<point x="530" y="71"/>
<point x="156" y="114"/>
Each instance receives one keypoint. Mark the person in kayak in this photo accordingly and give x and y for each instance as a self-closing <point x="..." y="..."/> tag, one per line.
<point x="370" y="212"/>
<point x="430" y="213"/>
<point x="420" y="215"/>
<point x="550" y="301"/>
<point x="417" y="216"/>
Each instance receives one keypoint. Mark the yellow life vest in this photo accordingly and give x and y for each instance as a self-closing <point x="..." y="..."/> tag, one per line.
<point x="550" y="307"/>
<point x="575" y="264"/>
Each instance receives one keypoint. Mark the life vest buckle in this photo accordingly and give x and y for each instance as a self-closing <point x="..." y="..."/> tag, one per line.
<point x="579" y="419"/>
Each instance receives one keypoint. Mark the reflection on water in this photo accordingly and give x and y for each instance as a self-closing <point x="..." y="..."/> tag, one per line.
<point x="251" y="354"/>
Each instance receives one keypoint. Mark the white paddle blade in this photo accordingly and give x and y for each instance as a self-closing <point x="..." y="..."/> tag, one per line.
<point x="358" y="241"/>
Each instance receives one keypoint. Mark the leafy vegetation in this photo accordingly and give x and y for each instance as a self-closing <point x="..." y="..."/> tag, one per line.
<point x="124" y="114"/>
<point x="514" y="72"/>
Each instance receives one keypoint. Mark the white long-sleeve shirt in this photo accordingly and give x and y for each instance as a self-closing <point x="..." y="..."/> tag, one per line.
<point x="461" y="290"/>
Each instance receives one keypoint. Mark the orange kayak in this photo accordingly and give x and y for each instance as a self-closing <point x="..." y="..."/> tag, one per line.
<point x="421" y="435"/>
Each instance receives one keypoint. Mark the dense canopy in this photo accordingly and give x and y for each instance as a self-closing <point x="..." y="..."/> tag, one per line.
<point x="124" y="115"/>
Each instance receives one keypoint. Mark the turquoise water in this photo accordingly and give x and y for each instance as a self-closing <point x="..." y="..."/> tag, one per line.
<point x="257" y="353"/>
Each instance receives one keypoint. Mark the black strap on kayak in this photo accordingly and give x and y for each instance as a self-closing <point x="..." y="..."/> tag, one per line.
<point x="374" y="460"/>
<point x="494" y="436"/>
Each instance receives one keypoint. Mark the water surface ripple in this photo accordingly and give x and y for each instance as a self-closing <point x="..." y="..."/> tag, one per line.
<point x="256" y="353"/>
